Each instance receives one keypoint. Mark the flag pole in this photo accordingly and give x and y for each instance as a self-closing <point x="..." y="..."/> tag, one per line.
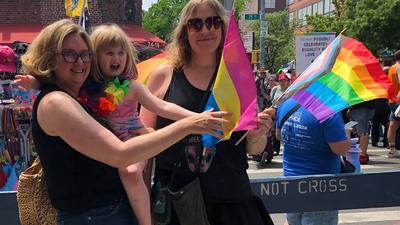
<point x="241" y="139"/>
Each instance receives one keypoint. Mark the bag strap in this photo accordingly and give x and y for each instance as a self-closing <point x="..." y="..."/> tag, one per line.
<point x="178" y="163"/>
<point x="288" y="114"/>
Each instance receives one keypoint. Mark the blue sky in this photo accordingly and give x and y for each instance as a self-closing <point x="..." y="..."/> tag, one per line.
<point x="147" y="3"/>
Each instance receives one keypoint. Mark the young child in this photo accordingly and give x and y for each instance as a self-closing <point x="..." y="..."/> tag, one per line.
<point x="115" y="97"/>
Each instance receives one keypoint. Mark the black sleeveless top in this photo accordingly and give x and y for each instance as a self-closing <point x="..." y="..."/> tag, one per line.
<point x="226" y="180"/>
<point x="75" y="182"/>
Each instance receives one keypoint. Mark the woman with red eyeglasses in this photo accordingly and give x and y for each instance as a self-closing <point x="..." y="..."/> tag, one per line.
<point x="195" y="53"/>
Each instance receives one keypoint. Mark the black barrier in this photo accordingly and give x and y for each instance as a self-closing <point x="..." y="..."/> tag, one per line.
<point x="8" y="208"/>
<point x="329" y="192"/>
<point x="293" y="194"/>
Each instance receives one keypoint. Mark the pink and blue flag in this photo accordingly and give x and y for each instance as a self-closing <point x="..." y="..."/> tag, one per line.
<point x="234" y="89"/>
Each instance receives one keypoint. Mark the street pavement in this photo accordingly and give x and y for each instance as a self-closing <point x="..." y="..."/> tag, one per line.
<point x="379" y="161"/>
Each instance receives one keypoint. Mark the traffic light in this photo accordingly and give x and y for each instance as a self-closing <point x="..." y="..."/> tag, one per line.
<point x="254" y="56"/>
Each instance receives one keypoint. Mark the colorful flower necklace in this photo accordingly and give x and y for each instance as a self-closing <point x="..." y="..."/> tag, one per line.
<point x="115" y="92"/>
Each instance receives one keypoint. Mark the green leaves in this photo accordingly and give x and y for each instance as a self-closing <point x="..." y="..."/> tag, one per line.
<point x="279" y="42"/>
<point x="373" y="22"/>
<point x="162" y="17"/>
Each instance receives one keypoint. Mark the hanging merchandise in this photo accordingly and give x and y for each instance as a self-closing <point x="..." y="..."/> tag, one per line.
<point x="16" y="144"/>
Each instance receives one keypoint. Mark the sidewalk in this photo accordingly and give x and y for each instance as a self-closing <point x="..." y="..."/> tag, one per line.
<point x="378" y="156"/>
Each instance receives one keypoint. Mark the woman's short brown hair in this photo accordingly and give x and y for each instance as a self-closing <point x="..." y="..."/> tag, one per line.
<point x="41" y="58"/>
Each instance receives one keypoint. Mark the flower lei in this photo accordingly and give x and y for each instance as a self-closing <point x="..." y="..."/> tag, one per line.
<point x="115" y="91"/>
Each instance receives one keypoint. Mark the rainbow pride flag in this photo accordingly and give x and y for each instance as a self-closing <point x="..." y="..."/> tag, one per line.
<point x="346" y="73"/>
<point x="146" y="67"/>
<point x="234" y="89"/>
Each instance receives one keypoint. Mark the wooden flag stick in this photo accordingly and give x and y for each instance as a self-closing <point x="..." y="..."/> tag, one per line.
<point x="247" y="132"/>
<point x="241" y="139"/>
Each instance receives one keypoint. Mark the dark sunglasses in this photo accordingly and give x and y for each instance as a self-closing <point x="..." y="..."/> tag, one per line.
<point x="198" y="159"/>
<point x="196" y="24"/>
<point x="71" y="56"/>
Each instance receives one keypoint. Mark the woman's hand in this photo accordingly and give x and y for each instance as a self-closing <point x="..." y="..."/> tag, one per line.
<point x="26" y="82"/>
<point x="264" y="124"/>
<point x="207" y="122"/>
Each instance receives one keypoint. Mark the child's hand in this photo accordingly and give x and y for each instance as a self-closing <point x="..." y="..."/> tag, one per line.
<point x="26" y="82"/>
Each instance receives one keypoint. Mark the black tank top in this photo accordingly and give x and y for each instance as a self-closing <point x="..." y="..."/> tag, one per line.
<point x="75" y="182"/>
<point x="226" y="180"/>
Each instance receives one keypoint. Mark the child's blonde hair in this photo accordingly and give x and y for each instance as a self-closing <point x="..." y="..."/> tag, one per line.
<point x="111" y="35"/>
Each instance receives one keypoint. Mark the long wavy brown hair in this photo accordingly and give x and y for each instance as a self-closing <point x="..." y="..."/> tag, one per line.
<point x="179" y="50"/>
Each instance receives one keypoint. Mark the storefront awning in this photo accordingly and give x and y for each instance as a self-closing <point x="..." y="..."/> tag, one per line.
<point x="10" y="33"/>
<point x="141" y="36"/>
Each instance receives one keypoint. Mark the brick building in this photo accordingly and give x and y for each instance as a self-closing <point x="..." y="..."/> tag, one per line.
<point x="21" y="20"/>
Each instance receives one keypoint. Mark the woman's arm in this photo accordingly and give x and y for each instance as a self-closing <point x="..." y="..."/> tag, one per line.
<point x="158" y="83"/>
<point x="60" y="115"/>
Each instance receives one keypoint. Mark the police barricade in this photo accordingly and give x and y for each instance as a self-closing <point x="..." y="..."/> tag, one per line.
<point x="294" y="194"/>
<point x="329" y="192"/>
<point x="9" y="208"/>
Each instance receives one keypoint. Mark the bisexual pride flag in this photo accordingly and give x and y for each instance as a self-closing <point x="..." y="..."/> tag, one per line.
<point x="346" y="73"/>
<point x="234" y="89"/>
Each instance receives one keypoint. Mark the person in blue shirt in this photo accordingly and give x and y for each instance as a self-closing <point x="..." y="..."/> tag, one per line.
<point x="310" y="147"/>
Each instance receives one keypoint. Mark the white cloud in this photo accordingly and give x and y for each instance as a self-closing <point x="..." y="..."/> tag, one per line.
<point x="147" y="3"/>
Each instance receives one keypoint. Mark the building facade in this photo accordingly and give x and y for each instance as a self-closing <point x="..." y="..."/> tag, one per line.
<point x="299" y="9"/>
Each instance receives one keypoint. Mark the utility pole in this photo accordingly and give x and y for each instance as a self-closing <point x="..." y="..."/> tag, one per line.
<point x="263" y="33"/>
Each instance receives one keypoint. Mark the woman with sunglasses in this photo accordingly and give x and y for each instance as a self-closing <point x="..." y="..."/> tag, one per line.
<point x="79" y="153"/>
<point x="195" y="53"/>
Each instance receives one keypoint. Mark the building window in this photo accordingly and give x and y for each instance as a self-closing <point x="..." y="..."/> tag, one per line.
<point x="320" y="8"/>
<point x="288" y="2"/>
<point x="327" y="6"/>
<point x="270" y="4"/>
<point x="309" y="10"/>
<point x="291" y="15"/>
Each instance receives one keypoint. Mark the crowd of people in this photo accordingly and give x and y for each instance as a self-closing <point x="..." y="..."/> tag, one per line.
<point x="97" y="152"/>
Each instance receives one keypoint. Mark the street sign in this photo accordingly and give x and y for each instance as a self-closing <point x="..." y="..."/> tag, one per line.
<point x="248" y="40"/>
<point x="263" y="28"/>
<point x="251" y="16"/>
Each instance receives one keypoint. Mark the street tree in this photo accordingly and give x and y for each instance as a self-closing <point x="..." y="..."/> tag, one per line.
<point x="279" y="42"/>
<point x="373" y="22"/>
<point x="162" y="17"/>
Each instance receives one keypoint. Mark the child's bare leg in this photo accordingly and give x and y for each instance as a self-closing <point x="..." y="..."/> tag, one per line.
<point x="135" y="187"/>
<point x="138" y="194"/>
<point x="147" y="173"/>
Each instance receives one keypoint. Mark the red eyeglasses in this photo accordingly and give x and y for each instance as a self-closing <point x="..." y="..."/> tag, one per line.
<point x="196" y="24"/>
